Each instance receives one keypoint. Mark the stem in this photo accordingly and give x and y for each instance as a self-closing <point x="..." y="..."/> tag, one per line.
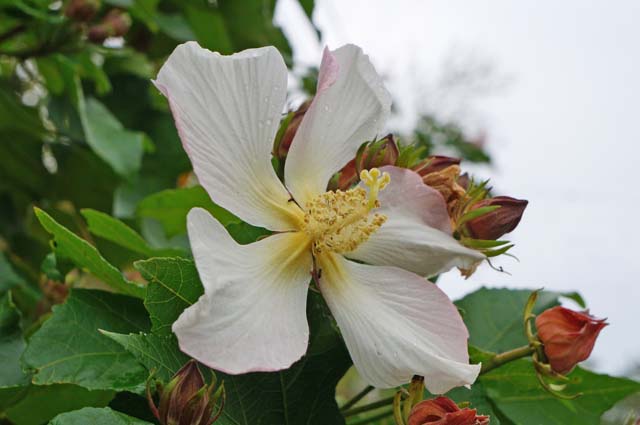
<point x="371" y="406"/>
<point x="506" y="357"/>
<point x="487" y="366"/>
<point x="13" y="31"/>
<point x="374" y="418"/>
<point x="357" y="398"/>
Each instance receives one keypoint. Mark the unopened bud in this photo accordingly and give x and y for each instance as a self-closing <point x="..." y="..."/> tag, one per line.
<point x="186" y="399"/>
<point x="282" y="149"/>
<point x="377" y="154"/>
<point x="444" y="411"/>
<point x="568" y="336"/>
<point x="115" y="24"/>
<point x="370" y="155"/>
<point x="494" y="224"/>
<point x="82" y="10"/>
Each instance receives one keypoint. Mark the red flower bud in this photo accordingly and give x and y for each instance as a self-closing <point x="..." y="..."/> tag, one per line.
<point x="494" y="224"/>
<point x="370" y="155"/>
<point x="82" y="10"/>
<point x="568" y="336"/>
<point x="377" y="154"/>
<point x="435" y="163"/>
<point x="282" y="149"/>
<point x="186" y="399"/>
<point x="115" y="24"/>
<point x="444" y="411"/>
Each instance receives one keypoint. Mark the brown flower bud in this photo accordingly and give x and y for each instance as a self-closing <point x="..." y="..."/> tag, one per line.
<point x="282" y="149"/>
<point x="444" y="411"/>
<point x="435" y="163"/>
<point x="115" y="24"/>
<point x="568" y="336"/>
<point x="494" y="224"/>
<point x="186" y="399"/>
<point x="82" y="10"/>
<point x="370" y="155"/>
<point x="377" y="154"/>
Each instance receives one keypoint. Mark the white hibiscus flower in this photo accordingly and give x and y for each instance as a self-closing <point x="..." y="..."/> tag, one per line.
<point x="252" y="315"/>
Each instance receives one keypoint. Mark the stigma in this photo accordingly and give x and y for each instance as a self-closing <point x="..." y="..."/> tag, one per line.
<point x="339" y="221"/>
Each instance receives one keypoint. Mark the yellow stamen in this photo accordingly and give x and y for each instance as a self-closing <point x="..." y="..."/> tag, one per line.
<point x="340" y="221"/>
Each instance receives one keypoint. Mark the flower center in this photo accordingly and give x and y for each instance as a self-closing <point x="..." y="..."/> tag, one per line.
<point x="340" y="221"/>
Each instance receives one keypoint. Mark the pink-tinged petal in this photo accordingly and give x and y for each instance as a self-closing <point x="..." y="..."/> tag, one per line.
<point x="417" y="233"/>
<point x="252" y="316"/>
<point x="396" y="325"/>
<point x="227" y="110"/>
<point x="350" y="107"/>
<point x="329" y="71"/>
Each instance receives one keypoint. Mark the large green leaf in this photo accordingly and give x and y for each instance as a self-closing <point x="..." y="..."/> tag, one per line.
<point x="114" y="230"/>
<point x="158" y="353"/>
<point x="8" y="277"/>
<point x="120" y="148"/>
<point x="170" y="207"/>
<point x="13" y="380"/>
<point x="96" y="416"/>
<point x="42" y="403"/>
<point x="69" y="348"/>
<point x="305" y="393"/>
<point x="515" y="391"/>
<point x="173" y="286"/>
<point x="494" y="316"/>
<point x="67" y="245"/>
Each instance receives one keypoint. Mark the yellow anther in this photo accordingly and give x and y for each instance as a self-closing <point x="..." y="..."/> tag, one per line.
<point x="340" y="221"/>
<point x="375" y="182"/>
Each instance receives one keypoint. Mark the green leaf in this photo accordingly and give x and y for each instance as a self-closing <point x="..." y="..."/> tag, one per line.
<point x="515" y="391"/>
<point x="120" y="148"/>
<point x="67" y="245"/>
<point x="45" y="402"/>
<point x="69" y="348"/>
<point x="13" y="380"/>
<point x="8" y="277"/>
<point x="171" y="206"/>
<point x="305" y="393"/>
<point x="158" y="353"/>
<point x="302" y="394"/>
<point x="114" y="230"/>
<point x="500" y="329"/>
<point x="96" y="416"/>
<point x="173" y="286"/>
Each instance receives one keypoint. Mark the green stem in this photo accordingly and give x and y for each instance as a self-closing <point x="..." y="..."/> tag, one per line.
<point x="372" y="419"/>
<point x="488" y="365"/>
<point x="357" y="398"/>
<point x="506" y="357"/>
<point x="371" y="406"/>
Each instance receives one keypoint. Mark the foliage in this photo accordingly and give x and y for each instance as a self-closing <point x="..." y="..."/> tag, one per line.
<point x="95" y="266"/>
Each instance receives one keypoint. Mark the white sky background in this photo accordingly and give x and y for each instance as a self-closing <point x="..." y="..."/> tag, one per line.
<point x="563" y="133"/>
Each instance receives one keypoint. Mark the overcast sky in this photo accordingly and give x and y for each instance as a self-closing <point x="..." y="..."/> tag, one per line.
<point x="561" y="118"/>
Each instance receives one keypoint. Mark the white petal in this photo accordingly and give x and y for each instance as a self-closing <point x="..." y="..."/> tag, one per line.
<point x="227" y="110"/>
<point x="350" y="107"/>
<point x="253" y="314"/>
<point x="417" y="233"/>
<point x="396" y="325"/>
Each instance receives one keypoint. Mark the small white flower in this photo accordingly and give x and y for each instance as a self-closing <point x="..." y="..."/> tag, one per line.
<point x="252" y="316"/>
